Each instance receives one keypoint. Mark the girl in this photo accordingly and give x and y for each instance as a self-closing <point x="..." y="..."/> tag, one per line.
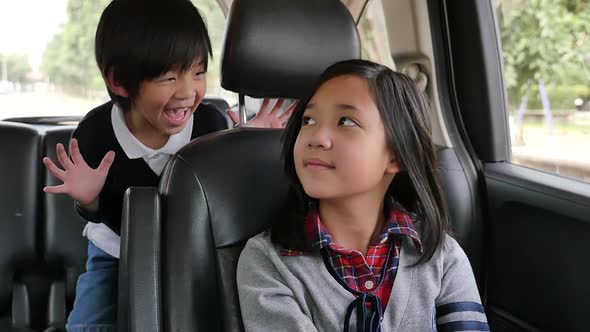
<point x="366" y="230"/>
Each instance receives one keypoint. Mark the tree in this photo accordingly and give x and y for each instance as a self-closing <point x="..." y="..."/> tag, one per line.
<point x="17" y="67"/>
<point x="544" y="40"/>
<point x="68" y="60"/>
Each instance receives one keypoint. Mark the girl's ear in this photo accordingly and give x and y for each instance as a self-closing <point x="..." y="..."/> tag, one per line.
<point x="393" y="167"/>
<point x="114" y="86"/>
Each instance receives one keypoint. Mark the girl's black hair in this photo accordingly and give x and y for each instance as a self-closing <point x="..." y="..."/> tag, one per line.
<point x="140" y="40"/>
<point x="404" y="113"/>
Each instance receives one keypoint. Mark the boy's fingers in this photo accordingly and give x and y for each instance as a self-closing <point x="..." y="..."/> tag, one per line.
<point x="278" y="105"/>
<point x="293" y="105"/>
<point x="75" y="152"/>
<point x="285" y="116"/>
<point x="61" y="189"/>
<point x="233" y="116"/>
<point x="63" y="158"/>
<point x="106" y="162"/>
<point x="58" y="173"/>
<point x="264" y="106"/>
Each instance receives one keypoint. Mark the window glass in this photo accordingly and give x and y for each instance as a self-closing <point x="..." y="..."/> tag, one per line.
<point x="47" y="65"/>
<point x="215" y="21"/>
<point x="546" y="50"/>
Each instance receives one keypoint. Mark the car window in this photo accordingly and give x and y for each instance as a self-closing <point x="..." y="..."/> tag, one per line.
<point x="48" y="68"/>
<point x="546" y="52"/>
<point x="47" y="65"/>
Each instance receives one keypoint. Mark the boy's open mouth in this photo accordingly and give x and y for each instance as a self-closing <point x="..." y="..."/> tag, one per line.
<point x="176" y="116"/>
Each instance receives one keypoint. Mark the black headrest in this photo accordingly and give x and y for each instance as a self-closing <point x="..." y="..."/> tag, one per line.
<point x="278" y="48"/>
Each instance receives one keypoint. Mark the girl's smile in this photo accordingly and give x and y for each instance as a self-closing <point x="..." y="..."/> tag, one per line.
<point x="317" y="165"/>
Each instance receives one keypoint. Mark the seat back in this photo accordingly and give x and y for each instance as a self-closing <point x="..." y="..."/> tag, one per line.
<point x="221" y="106"/>
<point x="462" y="200"/>
<point x="64" y="247"/>
<point x="213" y="206"/>
<point x="19" y="180"/>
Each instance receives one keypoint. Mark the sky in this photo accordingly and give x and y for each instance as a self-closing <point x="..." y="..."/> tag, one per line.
<point x="26" y="26"/>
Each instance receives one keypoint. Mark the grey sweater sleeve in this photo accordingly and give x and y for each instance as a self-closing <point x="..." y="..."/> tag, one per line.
<point x="458" y="306"/>
<point x="267" y="302"/>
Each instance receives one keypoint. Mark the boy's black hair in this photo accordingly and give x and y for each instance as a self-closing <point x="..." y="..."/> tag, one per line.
<point x="404" y="113"/>
<point x="141" y="40"/>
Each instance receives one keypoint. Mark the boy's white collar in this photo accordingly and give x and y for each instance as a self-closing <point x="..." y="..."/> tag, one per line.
<point x="134" y="149"/>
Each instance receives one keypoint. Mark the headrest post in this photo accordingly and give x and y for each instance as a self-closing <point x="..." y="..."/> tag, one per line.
<point x="242" y="110"/>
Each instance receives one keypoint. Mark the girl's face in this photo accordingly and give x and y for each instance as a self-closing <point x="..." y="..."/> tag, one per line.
<point x="341" y="150"/>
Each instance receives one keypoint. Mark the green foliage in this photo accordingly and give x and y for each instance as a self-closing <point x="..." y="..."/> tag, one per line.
<point x="17" y="67"/>
<point x="69" y="62"/>
<point x="548" y="40"/>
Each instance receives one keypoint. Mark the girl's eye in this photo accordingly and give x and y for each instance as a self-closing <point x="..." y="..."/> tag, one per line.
<point x="307" y="120"/>
<point x="346" y="122"/>
<point x="200" y="74"/>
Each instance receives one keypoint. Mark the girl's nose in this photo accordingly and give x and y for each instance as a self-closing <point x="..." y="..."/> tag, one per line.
<point x="320" y="139"/>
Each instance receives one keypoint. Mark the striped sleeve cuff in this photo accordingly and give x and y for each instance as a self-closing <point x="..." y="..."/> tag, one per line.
<point x="461" y="316"/>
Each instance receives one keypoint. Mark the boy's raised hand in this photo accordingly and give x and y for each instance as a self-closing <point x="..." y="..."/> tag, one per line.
<point x="80" y="181"/>
<point x="268" y="117"/>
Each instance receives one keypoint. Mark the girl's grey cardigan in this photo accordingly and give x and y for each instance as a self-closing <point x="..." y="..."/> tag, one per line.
<point x="297" y="293"/>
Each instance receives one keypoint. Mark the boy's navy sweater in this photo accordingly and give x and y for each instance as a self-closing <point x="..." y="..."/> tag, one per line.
<point x="96" y="137"/>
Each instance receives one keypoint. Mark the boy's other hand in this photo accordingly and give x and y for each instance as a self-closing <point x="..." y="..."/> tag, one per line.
<point x="268" y="117"/>
<point x="80" y="181"/>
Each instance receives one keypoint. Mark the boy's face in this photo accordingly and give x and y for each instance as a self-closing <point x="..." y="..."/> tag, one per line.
<point x="164" y="104"/>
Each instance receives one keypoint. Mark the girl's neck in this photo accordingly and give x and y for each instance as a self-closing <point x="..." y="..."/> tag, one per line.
<point x="353" y="222"/>
<point x="144" y="131"/>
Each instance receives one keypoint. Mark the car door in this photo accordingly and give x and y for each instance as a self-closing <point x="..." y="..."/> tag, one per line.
<point x="536" y="223"/>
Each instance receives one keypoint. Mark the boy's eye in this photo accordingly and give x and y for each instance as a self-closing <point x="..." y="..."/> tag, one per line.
<point x="346" y="122"/>
<point x="167" y="78"/>
<point x="307" y="120"/>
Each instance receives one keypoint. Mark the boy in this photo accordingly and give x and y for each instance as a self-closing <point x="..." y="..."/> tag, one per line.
<point x="153" y="57"/>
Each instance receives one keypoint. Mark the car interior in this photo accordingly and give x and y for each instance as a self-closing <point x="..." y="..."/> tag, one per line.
<point x="525" y="231"/>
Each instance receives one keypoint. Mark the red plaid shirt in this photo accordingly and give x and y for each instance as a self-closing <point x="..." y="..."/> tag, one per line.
<point x="359" y="272"/>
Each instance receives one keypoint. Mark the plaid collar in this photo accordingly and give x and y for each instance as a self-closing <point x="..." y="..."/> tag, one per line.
<point x="399" y="224"/>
